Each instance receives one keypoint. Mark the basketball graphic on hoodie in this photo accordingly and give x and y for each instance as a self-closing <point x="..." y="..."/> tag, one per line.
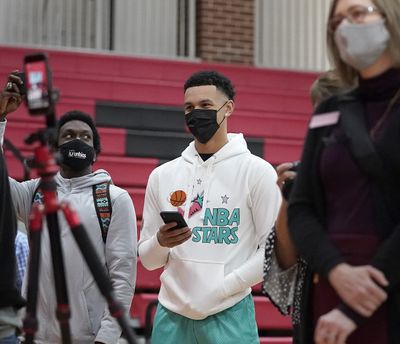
<point x="177" y="198"/>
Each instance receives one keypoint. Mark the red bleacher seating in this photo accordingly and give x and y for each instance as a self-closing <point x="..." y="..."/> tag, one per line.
<point x="137" y="195"/>
<point x="139" y="307"/>
<point x="112" y="141"/>
<point x="149" y="280"/>
<point x="268" y="317"/>
<point x="270" y="104"/>
<point x="127" y="171"/>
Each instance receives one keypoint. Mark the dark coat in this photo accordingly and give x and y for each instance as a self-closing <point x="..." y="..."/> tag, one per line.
<point x="307" y="215"/>
<point x="9" y="294"/>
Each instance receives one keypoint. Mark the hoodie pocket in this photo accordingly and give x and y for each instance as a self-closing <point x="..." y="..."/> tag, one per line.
<point x="95" y="306"/>
<point x="85" y="325"/>
<point x="197" y="287"/>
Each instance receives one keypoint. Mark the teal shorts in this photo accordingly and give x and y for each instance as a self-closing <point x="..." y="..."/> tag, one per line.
<point x="235" y="325"/>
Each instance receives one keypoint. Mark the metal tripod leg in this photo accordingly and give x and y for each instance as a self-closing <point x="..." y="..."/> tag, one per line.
<point x="35" y="235"/>
<point x="63" y="310"/>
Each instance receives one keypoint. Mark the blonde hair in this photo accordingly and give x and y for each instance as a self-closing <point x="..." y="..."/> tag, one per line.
<point x="391" y="11"/>
<point x="326" y="85"/>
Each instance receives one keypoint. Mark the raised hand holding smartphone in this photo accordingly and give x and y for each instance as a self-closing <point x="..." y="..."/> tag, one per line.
<point x="176" y="235"/>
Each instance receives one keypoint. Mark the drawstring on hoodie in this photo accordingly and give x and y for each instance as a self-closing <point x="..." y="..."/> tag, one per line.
<point x="191" y="185"/>
<point x="207" y="185"/>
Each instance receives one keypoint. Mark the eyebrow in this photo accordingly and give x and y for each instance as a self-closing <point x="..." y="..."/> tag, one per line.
<point x="201" y="101"/>
<point x="84" y="131"/>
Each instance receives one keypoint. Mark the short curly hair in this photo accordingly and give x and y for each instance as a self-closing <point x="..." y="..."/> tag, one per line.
<point x="76" y="115"/>
<point x="211" y="77"/>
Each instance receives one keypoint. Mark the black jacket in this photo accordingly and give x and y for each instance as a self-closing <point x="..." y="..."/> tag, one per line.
<point x="307" y="215"/>
<point x="9" y="295"/>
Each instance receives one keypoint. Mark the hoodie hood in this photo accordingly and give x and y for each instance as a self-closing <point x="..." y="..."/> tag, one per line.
<point x="235" y="146"/>
<point x="94" y="178"/>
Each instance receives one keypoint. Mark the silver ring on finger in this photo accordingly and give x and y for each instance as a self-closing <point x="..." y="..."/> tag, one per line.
<point x="9" y="86"/>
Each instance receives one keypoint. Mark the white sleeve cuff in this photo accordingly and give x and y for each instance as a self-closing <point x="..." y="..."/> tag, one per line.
<point x="232" y="284"/>
<point x="152" y="254"/>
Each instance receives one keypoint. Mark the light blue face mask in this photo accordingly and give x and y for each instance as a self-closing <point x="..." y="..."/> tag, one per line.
<point x="360" y="45"/>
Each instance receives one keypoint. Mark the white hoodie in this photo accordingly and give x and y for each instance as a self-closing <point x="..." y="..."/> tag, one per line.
<point x="232" y="201"/>
<point x="90" y="319"/>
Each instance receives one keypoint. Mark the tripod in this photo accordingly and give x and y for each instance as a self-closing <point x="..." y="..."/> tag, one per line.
<point x="45" y="163"/>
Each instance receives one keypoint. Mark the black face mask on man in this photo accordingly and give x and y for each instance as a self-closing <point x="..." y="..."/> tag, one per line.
<point x="203" y="124"/>
<point x="76" y="154"/>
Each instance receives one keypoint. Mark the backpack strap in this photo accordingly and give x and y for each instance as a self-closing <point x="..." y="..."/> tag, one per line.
<point x="361" y="146"/>
<point x="102" y="202"/>
<point x="38" y="196"/>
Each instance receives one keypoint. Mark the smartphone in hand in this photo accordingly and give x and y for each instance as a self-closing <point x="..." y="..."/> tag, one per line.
<point x="37" y="84"/>
<point x="173" y="216"/>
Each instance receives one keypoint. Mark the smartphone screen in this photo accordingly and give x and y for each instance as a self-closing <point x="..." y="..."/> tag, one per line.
<point x="37" y="85"/>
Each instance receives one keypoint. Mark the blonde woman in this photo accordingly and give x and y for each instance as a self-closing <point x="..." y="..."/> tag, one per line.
<point x="344" y="211"/>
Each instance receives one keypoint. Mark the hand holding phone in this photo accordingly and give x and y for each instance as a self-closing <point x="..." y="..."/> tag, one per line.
<point x="19" y="81"/>
<point x="11" y="95"/>
<point x="177" y="235"/>
<point x="173" y="216"/>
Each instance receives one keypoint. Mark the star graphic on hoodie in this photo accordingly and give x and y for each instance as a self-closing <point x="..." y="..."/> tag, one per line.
<point x="225" y="199"/>
<point x="198" y="181"/>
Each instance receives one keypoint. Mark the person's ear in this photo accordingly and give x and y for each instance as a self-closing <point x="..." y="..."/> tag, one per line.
<point x="230" y="106"/>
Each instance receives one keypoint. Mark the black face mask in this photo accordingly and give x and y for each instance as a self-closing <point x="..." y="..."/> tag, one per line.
<point x="76" y="154"/>
<point x="203" y="124"/>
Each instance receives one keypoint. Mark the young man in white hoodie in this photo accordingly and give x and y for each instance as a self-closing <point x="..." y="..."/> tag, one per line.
<point x="230" y="200"/>
<point x="90" y="320"/>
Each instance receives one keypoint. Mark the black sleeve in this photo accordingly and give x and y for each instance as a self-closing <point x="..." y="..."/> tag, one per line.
<point x="306" y="229"/>
<point x="387" y="259"/>
<point x="351" y="314"/>
<point x="9" y="295"/>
